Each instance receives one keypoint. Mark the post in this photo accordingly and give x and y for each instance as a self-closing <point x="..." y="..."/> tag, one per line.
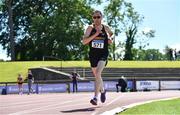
<point x="134" y="86"/>
<point x="37" y="88"/>
<point x="159" y="85"/>
<point x="68" y="87"/>
<point x="61" y="65"/>
<point x="84" y="72"/>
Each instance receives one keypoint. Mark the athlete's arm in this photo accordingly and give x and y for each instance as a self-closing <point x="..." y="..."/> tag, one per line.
<point x="108" y="30"/>
<point x="110" y="34"/>
<point x="87" y="38"/>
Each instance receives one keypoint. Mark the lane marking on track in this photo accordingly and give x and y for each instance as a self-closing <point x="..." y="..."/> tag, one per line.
<point x="66" y="106"/>
<point x="26" y="103"/>
<point x="45" y="107"/>
<point x="29" y="110"/>
<point x="114" y="100"/>
<point x="13" y="104"/>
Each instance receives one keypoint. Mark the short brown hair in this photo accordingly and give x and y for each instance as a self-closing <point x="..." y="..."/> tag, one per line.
<point x="97" y="11"/>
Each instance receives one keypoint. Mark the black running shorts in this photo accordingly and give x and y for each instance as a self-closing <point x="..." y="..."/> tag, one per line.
<point x="94" y="60"/>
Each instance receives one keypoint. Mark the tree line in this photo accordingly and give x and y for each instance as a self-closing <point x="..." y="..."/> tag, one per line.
<point x="33" y="29"/>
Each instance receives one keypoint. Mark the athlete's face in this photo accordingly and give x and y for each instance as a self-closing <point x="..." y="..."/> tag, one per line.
<point x="97" y="17"/>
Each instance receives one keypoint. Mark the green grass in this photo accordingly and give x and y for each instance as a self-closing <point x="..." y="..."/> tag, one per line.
<point x="10" y="70"/>
<point x="168" y="107"/>
<point x="144" y="64"/>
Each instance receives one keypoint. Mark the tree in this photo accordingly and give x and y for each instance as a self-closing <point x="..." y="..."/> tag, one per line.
<point x="113" y="17"/>
<point x="168" y="52"/>
<point x="46" y="28"/>
<point x="131" y="24"/>
<point x="55" y="27"/>
<point x="145" y="36"/>
<point x="8" y="31"/>
<point x="122" y="17"/>
<point x="147" y="55"/>
<point x="11" y="33"/>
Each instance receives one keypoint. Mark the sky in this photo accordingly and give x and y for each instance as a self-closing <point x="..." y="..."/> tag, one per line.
<point x="163" y="16"/>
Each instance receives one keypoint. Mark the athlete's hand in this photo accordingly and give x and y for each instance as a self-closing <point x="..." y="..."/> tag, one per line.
<point x="98" y="31"/>
<point x="110" y="41"/>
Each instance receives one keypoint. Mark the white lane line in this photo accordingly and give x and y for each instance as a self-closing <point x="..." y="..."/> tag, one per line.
<point x="22" y="100"/>
<point x="44" y="107"/>
<point x="31" y="102"/>
<point x="120" y="109"/>
<point x="29" y="110"/>
<point x="26" y="103"/>
<point x="68" y="106"/>
<point x="63" y="106"/>
<point x="114" y="100"/>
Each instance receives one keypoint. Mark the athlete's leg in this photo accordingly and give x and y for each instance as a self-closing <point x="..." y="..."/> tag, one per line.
<point x="76" y="87"/>
<point x="21" y="89"/>
<point x="73" y="87"/>
<point x="29" y="87"/>
<point x="97" y="68"/>
<point x="117" y="87"/>
<point x="100" y="67"/>
<point x="94" y="100"/>
<point x="95" y="84"/>
<point x="98" y="79"/>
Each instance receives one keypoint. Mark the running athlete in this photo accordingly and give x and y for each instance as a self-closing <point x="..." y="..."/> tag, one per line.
<point x="20" y="83"/>
<point x="30" y="80"/>
<point x="96" y="36"/>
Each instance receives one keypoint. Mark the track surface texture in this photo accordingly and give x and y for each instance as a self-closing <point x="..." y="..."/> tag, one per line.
<point x="74" y="103"/>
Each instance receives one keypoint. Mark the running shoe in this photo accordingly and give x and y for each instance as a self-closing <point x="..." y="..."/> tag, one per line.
<point x="93" y="101"/>
<point x="103" y="96"/>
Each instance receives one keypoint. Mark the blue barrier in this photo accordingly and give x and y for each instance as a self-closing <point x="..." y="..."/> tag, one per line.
<point x="1" y="87"/>
<point x="52" y="88"/>
<point x="62" y="87"/>
<point x="89" y="86"/>
<point x="85" y="86"/>
<point x="11" y="89"/>
<point x="111" y="85"/>
<point x="130" y="85"/>
<point x="37" y="88"/>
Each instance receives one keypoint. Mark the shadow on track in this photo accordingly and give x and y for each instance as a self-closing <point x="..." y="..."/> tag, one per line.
<point x="81" y="110"/>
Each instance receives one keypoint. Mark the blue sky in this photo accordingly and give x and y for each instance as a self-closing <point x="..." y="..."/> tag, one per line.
<point x="161" y="15"/>
<point x="164" y="17"/>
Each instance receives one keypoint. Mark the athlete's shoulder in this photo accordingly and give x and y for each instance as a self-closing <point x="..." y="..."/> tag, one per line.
<point x="108" y="29"/>
<point x="90" y="27"/>
<point x="106" y="26"/>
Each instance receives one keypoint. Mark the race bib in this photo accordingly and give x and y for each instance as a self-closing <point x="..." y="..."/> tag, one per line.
<point x="98" y="44"/>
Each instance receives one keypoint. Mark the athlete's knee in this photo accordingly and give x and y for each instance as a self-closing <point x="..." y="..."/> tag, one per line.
<point x="98" y="73"/>
<point x="94" y="73"/>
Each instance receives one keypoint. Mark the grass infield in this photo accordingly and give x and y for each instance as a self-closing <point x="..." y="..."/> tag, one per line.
<point x="167" y="107"/>
<point x="10" y="70"/>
